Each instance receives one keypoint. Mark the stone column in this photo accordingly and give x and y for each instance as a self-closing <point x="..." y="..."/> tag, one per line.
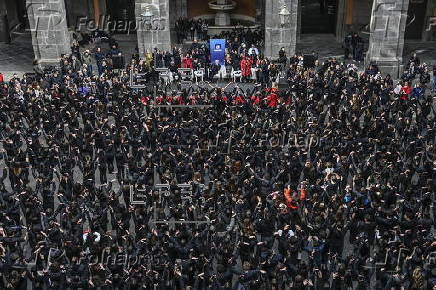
<point x="277" y="36"/>
<point x="48" y="26"/>
<point x="386" y="42"/>
<point x="340" y="21"/>
<point x="157" y="32"/>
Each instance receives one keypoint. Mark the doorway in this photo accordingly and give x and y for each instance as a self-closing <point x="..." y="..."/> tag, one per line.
<point x="415" y="19"/>
<point x="121" y="10"/>
<point x="318" y="16"/>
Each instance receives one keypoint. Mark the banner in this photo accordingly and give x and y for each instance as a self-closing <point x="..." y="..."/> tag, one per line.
<point x="217" y="50"/>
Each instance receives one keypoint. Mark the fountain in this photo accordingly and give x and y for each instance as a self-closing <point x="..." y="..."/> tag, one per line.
<point x="222" y="7"/>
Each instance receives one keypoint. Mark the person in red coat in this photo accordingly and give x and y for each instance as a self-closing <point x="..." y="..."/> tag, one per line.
<point x="169" y="100"/>
<point x="193" y="99"/>
<point x="159" y="100"/>
<point x="238" y="100"/>
<point x="1" y="78"/>
<point x="405" y="91"/>
<point x="255" y="99"/>
<point x="292" y="199"/>
<point x="272" y="99"/>
<point x="145" y="100"/>
<point x="246" y="63"/>
<point x="179" y="100"/>
<point x="184" y="61"/>
<point x="187" y="61"/>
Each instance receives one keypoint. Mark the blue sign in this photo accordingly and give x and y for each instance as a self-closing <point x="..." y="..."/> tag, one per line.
<point x="217" y="50"/>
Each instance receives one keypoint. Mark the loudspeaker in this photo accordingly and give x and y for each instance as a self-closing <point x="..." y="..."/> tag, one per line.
<point x="283" y="84"/>
<point x="118" y="61"/>
<point x="309" y="61"/>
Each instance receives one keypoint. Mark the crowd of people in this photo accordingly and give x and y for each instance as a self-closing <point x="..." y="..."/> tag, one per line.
<point x="198" y="29"/>
<point x="327" y="184"/>
<point x="190" y="29"/>
<point x="353" y="46"/>
<point x="239" y="57"/>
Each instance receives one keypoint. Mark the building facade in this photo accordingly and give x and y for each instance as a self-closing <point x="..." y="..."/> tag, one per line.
<point x="385" y="24"/>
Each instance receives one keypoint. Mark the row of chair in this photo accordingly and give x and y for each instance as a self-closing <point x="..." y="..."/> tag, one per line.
<point x="187" y="74"/>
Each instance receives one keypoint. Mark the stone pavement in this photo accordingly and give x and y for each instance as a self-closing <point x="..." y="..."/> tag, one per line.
<point x="426" y="51"/>
<point x="18" y="56"/>
<point x="323" y="44"/>
<point x="326" y="46"/>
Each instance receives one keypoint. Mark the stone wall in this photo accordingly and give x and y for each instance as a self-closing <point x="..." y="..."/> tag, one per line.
<point x="48" y="25"/>
<point x="277" y="36"/>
